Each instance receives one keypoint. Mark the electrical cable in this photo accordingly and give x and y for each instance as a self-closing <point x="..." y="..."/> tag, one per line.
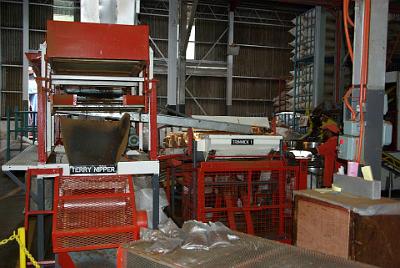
<point x="346" y="28"/>
<point x="364" y="74"/>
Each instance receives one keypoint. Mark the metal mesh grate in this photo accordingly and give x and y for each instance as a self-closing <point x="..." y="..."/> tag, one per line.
<point x="84" y="185"/>
<point x="249" y="251"/>
<point x="89" y="241"/>
<point x="93" y="212"/>
<point x="253" y="199"/>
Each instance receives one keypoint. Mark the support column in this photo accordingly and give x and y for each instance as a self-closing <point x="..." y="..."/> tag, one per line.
<point x="374" y="107"/>
<point x="229" y="60"/>
<point x="25" y="47"/>
<point x="180" y="107"/>
<point x="155" y="184"/>
<point x="1" y="84"/>
<point x="398" y="110"/>
<point x="376" y="86"/>
<point x="172" y="54"/>
<point x="319" y="56"/>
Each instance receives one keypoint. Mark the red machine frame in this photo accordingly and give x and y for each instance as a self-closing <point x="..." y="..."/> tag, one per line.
<point x="211" y="192"/>
<point x="100" y="226"/>
<point x="69" y="42"/>
<point x="75" y="40"/>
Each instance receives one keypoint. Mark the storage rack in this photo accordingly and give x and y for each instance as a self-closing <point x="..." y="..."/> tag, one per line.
<point x="303" y="86"/>
<point x="313" y="63"/>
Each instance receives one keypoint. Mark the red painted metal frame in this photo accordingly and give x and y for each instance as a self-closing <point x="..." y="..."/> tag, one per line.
<point x="121" y="257"/>
<point x="87" y="232"/>
<point x="34" y="59"/>
<point x="67" y="40"/>
<point x="29" y="174"/>
<point x="133" y="100"/>
<point x="79" y="40"/>
<point x="153" y="121"/>
<point x="190" y="141"/>
<point x="226" y="167"/>
<point x="65" y="261"/>
<point x="92" y="41"/>
<point x="64" y="99"/>
<point x="182" y="170"/>
<point x="41" y="120"/>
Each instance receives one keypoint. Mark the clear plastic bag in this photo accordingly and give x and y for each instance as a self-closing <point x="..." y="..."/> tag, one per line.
<point x="196" y="235"/>
<point x="170" y="229"/>
<point x="163" y="246"/>
<point x="220" y="236"/>
<point x="151" y="235"/>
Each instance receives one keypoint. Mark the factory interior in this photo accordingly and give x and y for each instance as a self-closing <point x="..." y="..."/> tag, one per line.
<point x="199" y="133"/>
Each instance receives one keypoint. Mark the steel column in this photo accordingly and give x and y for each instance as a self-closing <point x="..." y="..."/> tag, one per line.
<point x="190" y="23"/>
<point x="376" y="86"/>
<point x="398" y="110"/>
<point x="319" y="56"/>
<point x="172" y="52"/>
<point x="25" y="49"/>
<point x="40" y="219"/>
<point x="156" y="204"/>
<point x="1" y="80"/>
<point x="229" y="71"/>
<point x="372" y="145"/>
<point x="180" y="107"/>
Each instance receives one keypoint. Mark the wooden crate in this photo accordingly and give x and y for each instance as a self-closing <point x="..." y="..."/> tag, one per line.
<point x="344" y="226"/>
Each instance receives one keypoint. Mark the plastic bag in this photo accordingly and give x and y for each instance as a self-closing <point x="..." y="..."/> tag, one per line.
<point x="194" y="235"/>
<point x="170" y="229"/>
<point x="220" y="236"/>
<point x="197" y="237"/>
<point x="151" y="235"/>
<point x="163" y="246"/>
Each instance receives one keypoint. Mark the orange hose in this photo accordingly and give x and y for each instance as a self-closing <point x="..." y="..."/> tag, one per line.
<point x="364" y="74"/>
<point x="346" y="102"/>
<point x="346" y="28"/>
<point x="349" y="20"/>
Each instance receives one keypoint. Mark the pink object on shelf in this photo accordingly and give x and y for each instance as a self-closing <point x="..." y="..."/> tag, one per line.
<point x="352" y="169"/>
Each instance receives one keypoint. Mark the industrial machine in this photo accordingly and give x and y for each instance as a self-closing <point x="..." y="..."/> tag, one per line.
<point x="79" y="173"/>
<point x="242" y="180"/>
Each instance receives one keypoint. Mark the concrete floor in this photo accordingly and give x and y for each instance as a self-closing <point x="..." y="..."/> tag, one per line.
<point x="11" y="209"/>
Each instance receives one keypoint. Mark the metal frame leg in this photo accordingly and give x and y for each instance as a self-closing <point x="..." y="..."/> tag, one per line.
<point x="40" y="219"/>
<point x="156" y="202"/>
<point x="173" y="179"/>
<point x="8" y="138"/>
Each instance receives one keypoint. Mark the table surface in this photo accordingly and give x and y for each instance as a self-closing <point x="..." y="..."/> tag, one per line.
<point x="359" y="205"/>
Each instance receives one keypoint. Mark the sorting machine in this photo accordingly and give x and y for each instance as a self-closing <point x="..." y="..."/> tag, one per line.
<point x="245" y="181"/>
<point x="78" y="173"/>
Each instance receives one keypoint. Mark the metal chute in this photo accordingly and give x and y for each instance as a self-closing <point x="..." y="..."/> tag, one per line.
<point x="95" y="142"/>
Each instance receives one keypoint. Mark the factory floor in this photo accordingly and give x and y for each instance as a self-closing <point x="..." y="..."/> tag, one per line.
<point x="11" y="209"/>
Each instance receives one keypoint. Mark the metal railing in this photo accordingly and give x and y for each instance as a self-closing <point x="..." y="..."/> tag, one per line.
<point x="25" y="125"/>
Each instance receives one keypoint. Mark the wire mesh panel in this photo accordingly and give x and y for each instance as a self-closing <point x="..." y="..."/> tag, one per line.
<point x="248" y="251"/>
<point x="254" y="197"/>
<point x="93" y="212"/>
